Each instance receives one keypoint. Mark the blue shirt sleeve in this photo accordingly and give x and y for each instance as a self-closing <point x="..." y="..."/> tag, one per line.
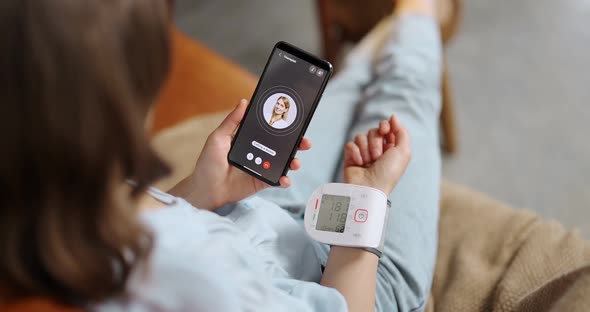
<point x="202" y="262"/>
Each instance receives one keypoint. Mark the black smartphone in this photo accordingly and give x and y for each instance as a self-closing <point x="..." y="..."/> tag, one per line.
<point x="279" y="112"/>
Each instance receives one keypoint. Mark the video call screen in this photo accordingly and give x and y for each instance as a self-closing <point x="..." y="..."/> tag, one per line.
<point x="277" y="115"/>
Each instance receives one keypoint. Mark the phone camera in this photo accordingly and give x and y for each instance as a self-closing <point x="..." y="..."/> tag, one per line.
<point x="312" y="69"/>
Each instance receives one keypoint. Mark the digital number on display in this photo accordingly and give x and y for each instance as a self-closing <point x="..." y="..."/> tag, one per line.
<point x="333" y="213"/>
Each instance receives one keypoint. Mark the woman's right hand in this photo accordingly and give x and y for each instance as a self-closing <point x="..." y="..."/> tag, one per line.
<point x="378" y="158"/>
<point x="214" y="182"/>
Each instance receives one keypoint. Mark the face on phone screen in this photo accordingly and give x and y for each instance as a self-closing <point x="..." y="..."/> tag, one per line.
<point x="278" y="115"/>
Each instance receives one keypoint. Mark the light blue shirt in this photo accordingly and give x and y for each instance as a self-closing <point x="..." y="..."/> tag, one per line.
<point x="250" y="260"/>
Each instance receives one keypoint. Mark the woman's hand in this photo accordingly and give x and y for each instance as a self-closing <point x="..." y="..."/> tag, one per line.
<point x="376" y="159"/>
<point x="214" y="181"/>
<point x="379" y="158"/>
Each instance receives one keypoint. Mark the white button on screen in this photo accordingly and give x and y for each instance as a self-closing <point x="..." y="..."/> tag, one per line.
<point x="263" y="148"/>
<point x="258" y="160"/>
<point x="250" y="156"/>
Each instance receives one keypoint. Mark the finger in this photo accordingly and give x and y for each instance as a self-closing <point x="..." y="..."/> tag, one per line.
<point x="396" y="127"/>
<point x="295" y="164"/>
<point x="305" y="144"/>
<point x="395" y="124"/>
<point x="363" y="143"/>
<point x="375" y="144"/>
<point x="398" y="136"/>
<point x="398" y="157"/>
<point x="390" y="136"/>
<point x="233" y="119"/>
<point x="352" y="155"/>
<point x="384" y="127"/>
<point x="402" y="141"/>
<point x="285" y="181"/>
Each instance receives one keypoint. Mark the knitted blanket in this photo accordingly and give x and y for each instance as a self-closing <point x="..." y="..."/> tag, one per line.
<point x="494" y="258"/>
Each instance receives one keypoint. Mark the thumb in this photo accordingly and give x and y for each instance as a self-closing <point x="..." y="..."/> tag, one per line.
<point x="397" y="156"/>
<point x="233" y="119"/>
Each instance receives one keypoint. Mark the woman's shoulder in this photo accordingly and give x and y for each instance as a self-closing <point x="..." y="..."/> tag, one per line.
<point x="281" y="124"/>
<point x="181" y="280"/>
<point x="181" y="224"/>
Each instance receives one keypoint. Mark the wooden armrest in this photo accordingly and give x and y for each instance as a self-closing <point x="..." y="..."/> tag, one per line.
<point x="348" y="21"/>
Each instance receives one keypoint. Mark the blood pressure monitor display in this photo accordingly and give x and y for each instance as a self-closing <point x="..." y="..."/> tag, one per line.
<point x="347" y="215"/>
<point x="333" y="213"/>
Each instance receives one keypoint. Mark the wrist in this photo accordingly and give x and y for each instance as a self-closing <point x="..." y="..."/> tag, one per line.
<point x="352" y="253"/>
<point x="193" y="192"/>
<point x="385" y="189"/>
<point x="349" y="216"/>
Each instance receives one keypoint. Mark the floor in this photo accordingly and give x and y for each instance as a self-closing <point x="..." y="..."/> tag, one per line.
<point x="521" y="73"/>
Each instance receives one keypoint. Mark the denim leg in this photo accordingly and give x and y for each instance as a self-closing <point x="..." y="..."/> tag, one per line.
<point x="399" y="75"/>
<point x="406" y="82"/>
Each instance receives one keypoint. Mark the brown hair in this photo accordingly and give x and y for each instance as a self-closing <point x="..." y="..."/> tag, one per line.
<point x="77" y="79"/>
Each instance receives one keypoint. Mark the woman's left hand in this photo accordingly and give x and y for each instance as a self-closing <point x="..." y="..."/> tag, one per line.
<point x="214" y="181"/>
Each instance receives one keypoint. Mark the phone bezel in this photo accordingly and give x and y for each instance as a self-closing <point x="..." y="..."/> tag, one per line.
<point x="314" y="60"/>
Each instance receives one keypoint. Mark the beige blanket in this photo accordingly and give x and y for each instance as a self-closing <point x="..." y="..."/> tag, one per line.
<point x="491" y="257"/>
<point x="495" y="258"/>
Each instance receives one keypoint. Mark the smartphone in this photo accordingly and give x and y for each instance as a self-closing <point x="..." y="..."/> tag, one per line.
<point x="279" y="112"/>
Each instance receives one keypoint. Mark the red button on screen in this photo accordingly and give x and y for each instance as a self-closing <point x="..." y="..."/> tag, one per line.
<point x="266" y="165"/>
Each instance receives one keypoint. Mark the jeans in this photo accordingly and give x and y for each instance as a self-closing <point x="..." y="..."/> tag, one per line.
<point x="395" y="69"/>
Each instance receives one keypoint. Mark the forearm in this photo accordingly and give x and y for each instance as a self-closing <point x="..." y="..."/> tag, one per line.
<point x="353" y="272"/>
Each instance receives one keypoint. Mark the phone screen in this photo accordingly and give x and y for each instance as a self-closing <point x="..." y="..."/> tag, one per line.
<point x="279" y="112"/>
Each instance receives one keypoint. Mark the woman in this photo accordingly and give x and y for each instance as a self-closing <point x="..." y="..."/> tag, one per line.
<point x="79" y="225"/>
<point x="278" y="118"/>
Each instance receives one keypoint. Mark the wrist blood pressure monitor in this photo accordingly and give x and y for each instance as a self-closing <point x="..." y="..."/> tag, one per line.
<point x="348" y="215"/>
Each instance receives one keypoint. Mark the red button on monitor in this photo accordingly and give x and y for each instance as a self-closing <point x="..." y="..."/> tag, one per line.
<point x="361" y="215"/>
<point x="266" y="165"/>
